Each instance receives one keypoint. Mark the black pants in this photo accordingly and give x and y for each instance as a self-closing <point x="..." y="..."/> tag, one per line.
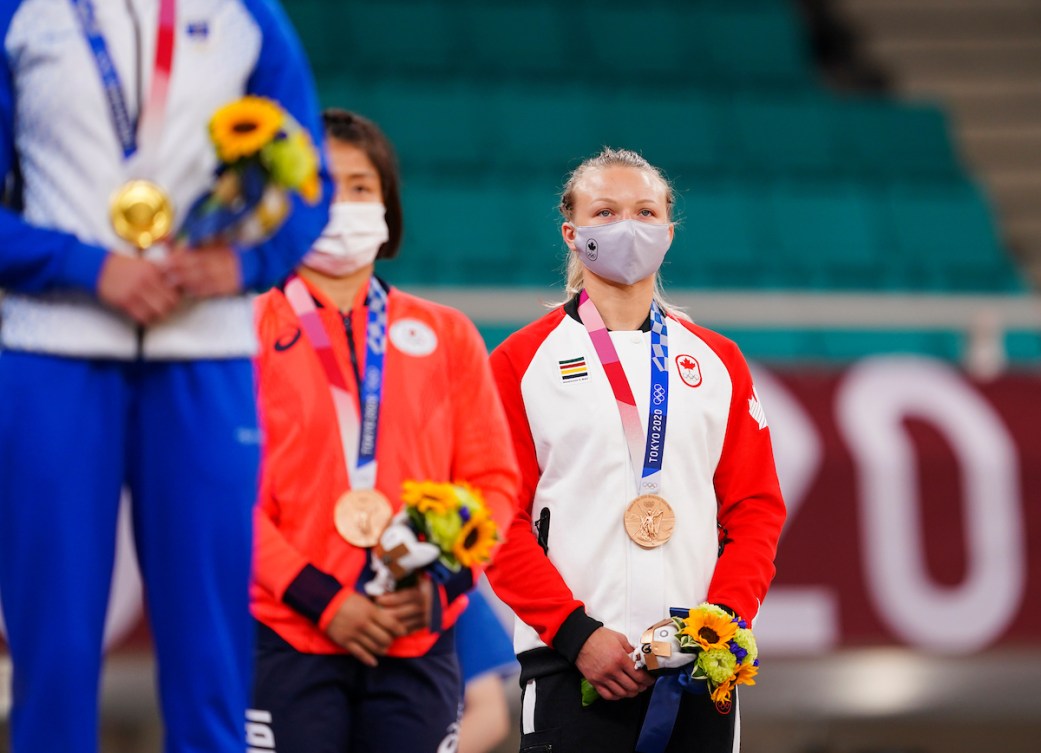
<point x="314" y="703"/>
<point x="560" y="724"/>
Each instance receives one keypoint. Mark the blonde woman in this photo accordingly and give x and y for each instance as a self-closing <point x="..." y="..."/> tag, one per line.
<point x="648" y="479"/>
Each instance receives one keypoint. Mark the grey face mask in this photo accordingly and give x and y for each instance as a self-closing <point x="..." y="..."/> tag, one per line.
<point x="625" y="252"/>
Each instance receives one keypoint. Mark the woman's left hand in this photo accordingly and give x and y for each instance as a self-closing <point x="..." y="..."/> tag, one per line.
<point x="204" y="272"/>
<point x="410" y="605"/>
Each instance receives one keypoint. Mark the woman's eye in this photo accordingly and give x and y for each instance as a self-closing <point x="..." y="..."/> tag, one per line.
<point x="646" y="213"/>
<point x="604" y="213"/>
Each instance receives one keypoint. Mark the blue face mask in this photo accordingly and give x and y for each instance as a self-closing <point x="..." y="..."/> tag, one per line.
<point x="625" y="252"/>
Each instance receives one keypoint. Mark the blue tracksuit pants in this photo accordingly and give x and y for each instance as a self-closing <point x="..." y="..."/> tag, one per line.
<point x="332" y="703"/>
<point x="183" y="437"/>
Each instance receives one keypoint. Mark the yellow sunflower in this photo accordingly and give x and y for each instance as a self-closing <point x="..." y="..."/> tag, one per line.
<point x="721" y="696"/>
<point x="429" y="496"/>
<point x="745" y="674"/>
<point x="240" y="128"/>
<point x="475" y="541"/>
<point x="709" y="629"/>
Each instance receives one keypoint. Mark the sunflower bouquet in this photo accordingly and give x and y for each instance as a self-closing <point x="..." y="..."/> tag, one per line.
<point x="454" y="518"/>
<point x="726" y="654"/>
<point x="441" y="528"/>
<point x="263" y="156"/>
<point x="709" y="650"/>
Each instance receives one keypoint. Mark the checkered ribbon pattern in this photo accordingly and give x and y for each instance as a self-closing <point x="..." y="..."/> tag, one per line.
<point x="659" y="339"/>
<point x="376" y="331"/>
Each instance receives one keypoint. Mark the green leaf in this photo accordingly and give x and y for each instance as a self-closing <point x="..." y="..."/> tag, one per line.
<point x="589" y="694"/>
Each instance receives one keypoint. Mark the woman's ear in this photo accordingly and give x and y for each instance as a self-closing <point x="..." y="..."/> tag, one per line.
<point x="567" y="231"/>
<point x="672" y="232"/>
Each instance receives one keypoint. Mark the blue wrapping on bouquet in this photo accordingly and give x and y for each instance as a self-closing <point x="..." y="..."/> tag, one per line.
<point x="665" y="704"/>
<point x="664" y="710"/>
<point x="213" y="217"/>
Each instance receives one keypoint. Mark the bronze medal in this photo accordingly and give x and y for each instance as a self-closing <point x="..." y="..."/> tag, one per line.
<point x="361" y="515"/>
<point x="649" y="521"/>
<point x="141" y="213"/>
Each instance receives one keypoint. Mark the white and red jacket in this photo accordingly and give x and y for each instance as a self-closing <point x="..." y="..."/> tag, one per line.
<point x="578" y="480"/>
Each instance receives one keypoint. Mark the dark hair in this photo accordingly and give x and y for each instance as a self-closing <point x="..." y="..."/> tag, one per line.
<point x="351" y="128"/>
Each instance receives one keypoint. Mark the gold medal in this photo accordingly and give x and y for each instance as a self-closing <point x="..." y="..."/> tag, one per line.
<point x="649" y="521"/>
<point x="361" y="515"/>
<point x="141" y="213"/>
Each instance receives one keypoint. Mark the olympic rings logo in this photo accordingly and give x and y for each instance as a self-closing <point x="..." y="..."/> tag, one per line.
<point x="658" y="394"/>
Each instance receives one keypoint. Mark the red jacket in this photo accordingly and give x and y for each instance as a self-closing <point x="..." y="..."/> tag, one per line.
<point x="440" y="420"/>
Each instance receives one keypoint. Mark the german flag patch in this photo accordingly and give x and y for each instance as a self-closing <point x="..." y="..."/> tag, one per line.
<point x="574" y="369"/>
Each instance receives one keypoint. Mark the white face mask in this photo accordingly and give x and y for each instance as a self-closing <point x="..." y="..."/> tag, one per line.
<point x="625" y="251"/>
<point x="351" y="240"/>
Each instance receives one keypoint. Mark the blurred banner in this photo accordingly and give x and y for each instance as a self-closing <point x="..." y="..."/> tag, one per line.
<point x="914" y="504"/>
<point x="914" y="511"/>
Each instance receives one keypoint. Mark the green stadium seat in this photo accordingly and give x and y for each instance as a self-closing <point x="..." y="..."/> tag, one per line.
<point x="515" y="39"/>
<point x="771" y="344"/>
<point x="534" y="247"/>
<point x="495" y="332"/>
<point x="396" y="37"/>
<point x="468" y="233"/>
<point x="544" y="130"/>
<point x="320" y="32"/>
<point x="755" y="45"/>
<point x="787" y="133"/>
<point x="946" y="237"/>
<point x="434" y="127"/>
<point x="431" y="251"/>
<point x="1023" y="346"/>
<point x="719" y="239"/>
<point x="886" y="139"/>
<point x="826" y="234"/>
<point x="682" y="133"/>
<point x="628" y="43"/>
<point x="346" y="92"/>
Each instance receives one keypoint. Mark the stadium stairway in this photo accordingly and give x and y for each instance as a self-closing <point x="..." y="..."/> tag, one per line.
<point x="982" y="60"/>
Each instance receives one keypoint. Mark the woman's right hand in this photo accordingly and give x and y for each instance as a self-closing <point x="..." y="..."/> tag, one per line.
<point x="364" y="629"/>
<point x="606" y="663"/>
<point x="136" y="287"/>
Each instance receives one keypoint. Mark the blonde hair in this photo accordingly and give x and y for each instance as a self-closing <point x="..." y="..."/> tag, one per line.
<point x="608" y="157"/>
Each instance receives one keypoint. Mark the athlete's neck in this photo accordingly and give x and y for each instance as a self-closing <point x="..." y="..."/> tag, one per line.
<point x="622" y="307"/>
<point x="342" y="291"/>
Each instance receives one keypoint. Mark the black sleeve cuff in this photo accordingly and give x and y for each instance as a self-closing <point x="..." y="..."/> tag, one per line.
<point x="574" y="632"/>
<point x="311" y="591"/>
<point x="458" y="584"/>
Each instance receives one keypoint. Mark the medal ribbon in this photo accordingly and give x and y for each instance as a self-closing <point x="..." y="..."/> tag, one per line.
<point x="152" y="111"/>
<point x="363" y="474"/>
<point x="653" y="442"/>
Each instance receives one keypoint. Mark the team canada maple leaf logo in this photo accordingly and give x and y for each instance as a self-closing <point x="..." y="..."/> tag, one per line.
<point x="755" y="409"/>
<point x="689" y="370"/>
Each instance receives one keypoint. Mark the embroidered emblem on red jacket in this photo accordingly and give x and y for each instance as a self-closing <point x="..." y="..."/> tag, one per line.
<point x="755" y="409"/>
